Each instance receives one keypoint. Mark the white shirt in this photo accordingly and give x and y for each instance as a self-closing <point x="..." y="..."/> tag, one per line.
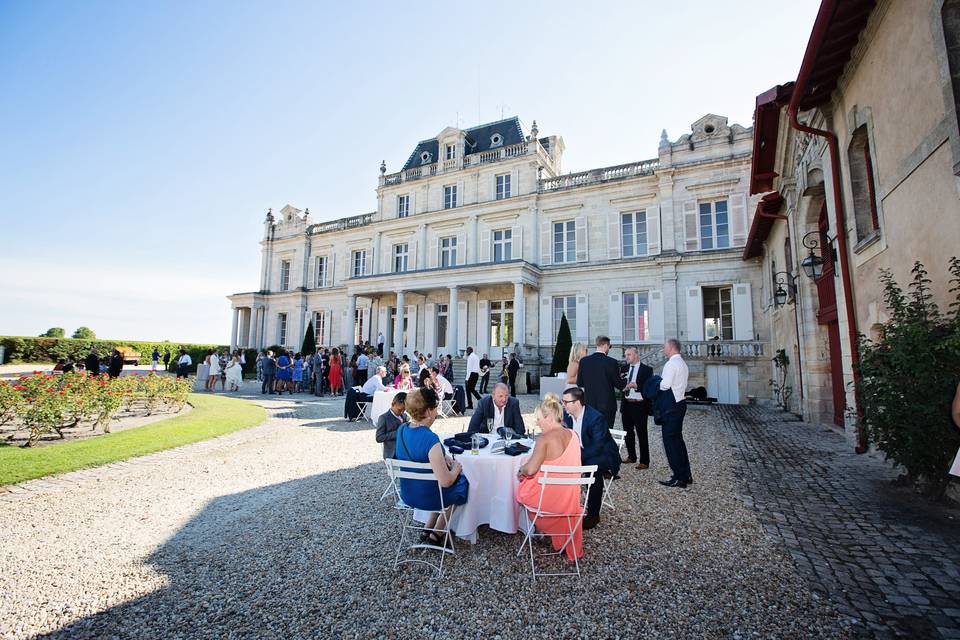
<point x="497" y="416"/>
<point x="379" y="338"/>
<point x="674" y="376"/>
<point x="445" y="386"/>
<point x="578" y="426"/>
<point x="373" y="385"/>
<point x="185" y="359"/>
<point x="473" y="364"/>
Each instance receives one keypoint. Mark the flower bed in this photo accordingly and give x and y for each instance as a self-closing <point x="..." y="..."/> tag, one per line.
<point x="46" y="403"/>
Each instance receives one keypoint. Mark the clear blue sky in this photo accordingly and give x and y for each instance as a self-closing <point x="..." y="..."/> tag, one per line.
<point x="142" y="142"/>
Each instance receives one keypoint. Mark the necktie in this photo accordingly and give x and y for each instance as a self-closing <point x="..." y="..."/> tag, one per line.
<point x="630" y="379"/>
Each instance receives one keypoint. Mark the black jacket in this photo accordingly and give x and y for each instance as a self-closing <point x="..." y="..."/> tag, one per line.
<point x="598" y="445"/>
<point x="485" y="411"/>
<point x="642" y="376"/>
<point x="92" y="364"/>
<point x="598" y="376"/>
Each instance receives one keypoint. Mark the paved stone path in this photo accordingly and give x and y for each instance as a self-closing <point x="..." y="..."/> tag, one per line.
<point x="883" y="555"/>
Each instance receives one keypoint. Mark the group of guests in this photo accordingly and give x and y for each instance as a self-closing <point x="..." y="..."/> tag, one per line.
<point x="94" y="364"/>
<point x="291" y="372"/>
<point x="225" y="367"/>
<point x="575" y="430"/>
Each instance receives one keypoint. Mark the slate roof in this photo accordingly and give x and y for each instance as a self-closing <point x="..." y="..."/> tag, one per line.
<point x="477" y="140"/>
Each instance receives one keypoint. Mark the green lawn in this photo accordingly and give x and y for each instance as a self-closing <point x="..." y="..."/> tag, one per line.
<point x="211" y="416"/>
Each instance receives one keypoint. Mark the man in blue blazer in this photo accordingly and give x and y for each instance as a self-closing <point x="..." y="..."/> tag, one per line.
<point x="596" y="447"/>
<point x="499" y="407"/>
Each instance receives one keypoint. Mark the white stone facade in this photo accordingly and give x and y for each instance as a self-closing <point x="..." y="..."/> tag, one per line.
<point x="565" y="234"/>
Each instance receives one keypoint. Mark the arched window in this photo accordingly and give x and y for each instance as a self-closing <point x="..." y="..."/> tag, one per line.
<point x="861" y="183"/>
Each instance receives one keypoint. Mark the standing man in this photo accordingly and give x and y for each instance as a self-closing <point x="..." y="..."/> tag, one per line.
<point x="598" y="376"/>
<point x="166" y="359"/>
<point x="362" y="363"/>
<point x="635" y="409"/>
<point x="485" y="365"/>
<point x="269" y="373"/>
<point x="116" y="364"/>
<point x="184" y="364"/>
<point x="596" y="447"/>
<point x="380" y="343"/>
<point x="673" y="407"/>
<point x="473" y="375"/>
<point x="512" y="369"/>
<point x="154" y="359"/>
<point x="92" y="363"/>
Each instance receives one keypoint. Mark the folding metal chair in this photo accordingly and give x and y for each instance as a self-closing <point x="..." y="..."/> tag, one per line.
<point x="620" y="438"/>
<point x="565" y="476"/>
<point x="362" y="406"/>
<point x="400" y="469"/>
<point x="392" y="486"/>
<point x="447" y="408"/>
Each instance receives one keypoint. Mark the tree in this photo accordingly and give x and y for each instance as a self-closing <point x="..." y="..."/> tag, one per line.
<point x="85" y="333"/>
<point x="54" y="332"/>
<point x="309" y="342"/>
<point x="908" y="381"/>
<point x="561" y="352"/>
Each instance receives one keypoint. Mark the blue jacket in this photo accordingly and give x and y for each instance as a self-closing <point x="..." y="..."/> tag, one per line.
<point x="663" y="401"/>
<point x="598" y="445"/>
<point x="485" y="411"/>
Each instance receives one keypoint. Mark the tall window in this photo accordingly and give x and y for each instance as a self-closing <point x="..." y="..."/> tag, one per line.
<point x="503" y="186"/>
<point x="442" y="325"/>
<point x="451" y="151"/>
<point x="403" y="206"/>
<point x="714" y="225"/>
<point x="321" y="271"/>
<point x="359" y="263"/>
<point x="319" y="328"/>
<point x="400" y="253"/>
<point x="861" y="183"/>
<point x="633" y="234"/>
<point x="565" y="305"/>
<point x="502" y="245"/>
<point x="358" y="326"/>
<point x="564" y="241"/>
<point x="717" y="313"/>
<point x="282" y="329"/>
<point x="284" y="275"/>
<point x="448" y="251"/>
<point x="501" y="323"/>
<point x="636" y="317"/>
<point x="450" y="196"/>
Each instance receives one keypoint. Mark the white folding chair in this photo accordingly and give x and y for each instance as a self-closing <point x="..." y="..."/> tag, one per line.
<point x="401" y="469"/>
<point x="620" y="438"/>
<point x="392" y="486"/>
<point x="553" y="475"/>
<point x="362" y="406"/>
<point x="447" y="408"/>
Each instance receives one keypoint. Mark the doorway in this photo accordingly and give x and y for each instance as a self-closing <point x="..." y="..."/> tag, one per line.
<point x="723" y="383"/>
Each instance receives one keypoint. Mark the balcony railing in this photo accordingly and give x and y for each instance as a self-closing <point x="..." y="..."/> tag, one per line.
<point x="597" y="176"/>
<point x="343" y="223"/>
<point x="723" y="350"/>
<point x="473" y="159"/>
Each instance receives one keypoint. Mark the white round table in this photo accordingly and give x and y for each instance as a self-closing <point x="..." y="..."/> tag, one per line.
<point x="381" y="404"/>
<point x="492" y="498"/>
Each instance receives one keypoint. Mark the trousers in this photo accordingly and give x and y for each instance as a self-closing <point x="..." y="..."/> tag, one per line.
<point x="673" y="445"/>
<point x="635" y="415"/>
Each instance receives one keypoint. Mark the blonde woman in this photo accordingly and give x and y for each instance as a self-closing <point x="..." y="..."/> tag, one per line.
<point x="577" y="351"/>
<point x="556" y="445"/>
<point x="404" y="381"/>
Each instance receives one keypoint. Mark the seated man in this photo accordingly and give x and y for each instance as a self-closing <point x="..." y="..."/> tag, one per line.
<point x="499" y="407"/>
<point x="375" y="383"/>
<point x="596" y="447"/>
<point x="389" y="422"/>
<point x="443" y="387"/>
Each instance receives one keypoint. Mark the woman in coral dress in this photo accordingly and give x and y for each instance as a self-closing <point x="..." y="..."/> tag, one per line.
<point x="336" y="372"/>
<point x="555" y="446"/>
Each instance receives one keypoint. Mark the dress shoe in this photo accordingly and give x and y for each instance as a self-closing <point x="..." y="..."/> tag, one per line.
<point x="672" y="482"/>
<point x="628" y="460"/>
<point x="589" y="522"/>
<point x="642" y="466"/>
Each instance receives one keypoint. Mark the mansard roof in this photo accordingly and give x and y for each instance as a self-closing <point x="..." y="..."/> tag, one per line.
<point x="477" y="139"/>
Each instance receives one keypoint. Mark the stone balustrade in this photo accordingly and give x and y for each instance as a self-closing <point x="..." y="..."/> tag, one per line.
<point x="597" y="176"/>
<point x="343" y="223"/>
<point x="723" y="350"/>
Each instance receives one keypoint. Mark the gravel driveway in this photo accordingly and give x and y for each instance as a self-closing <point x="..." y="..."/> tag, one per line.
<point x="277" y="532"/>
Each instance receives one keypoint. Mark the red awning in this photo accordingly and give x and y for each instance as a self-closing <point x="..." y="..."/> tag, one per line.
<point x="766" y="129"/>
<point x="768" y="210"/>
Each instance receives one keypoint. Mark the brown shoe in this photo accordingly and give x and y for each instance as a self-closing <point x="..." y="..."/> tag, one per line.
<point x="628" y="460"/>
<point x="642" y="466"/>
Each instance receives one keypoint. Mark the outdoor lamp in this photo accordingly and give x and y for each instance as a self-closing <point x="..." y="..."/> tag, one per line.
<point x="780" y="296"/>
<point x="812" y="266"/>
<point x="786" y="289"/>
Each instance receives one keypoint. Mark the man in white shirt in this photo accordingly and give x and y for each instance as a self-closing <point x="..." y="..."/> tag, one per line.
<point x="362" y="363"/>
<point x="380" y="343"/>
<point x="473" y="376"/>
<point x="375" y="383"/>
<point x="444" y="388"/>
<point x="673" y="380"/>
<point x="183" y="364"/>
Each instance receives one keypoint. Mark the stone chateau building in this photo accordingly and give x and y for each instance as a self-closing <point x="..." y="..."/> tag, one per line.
<point x="481" y="240"/>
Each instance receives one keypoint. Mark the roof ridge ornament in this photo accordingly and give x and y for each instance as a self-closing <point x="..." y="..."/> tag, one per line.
<point x="664" y="139"/>
<point x="534" y="130"/>
<point x="383" y="167"/>
<point x="270" y="214"/>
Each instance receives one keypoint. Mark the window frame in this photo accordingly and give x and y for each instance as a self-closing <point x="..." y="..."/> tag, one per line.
<point x="358" y="260"/>
<point x="403" y="205"/>
<point x="723" y="326"/>
<point x="401" y="257"/>
<point x="321" y="269"/>
<point x="319" y="327"/>
<point x="714" y="224"/>
<point x="450" y="151"/>
<point x="450" y="196"/>
<point x="443" y="311"/>
<point x="568" y="303"/>
<point x="285" y="267"/>
<point x="504" y="188"/>
<point x="448" y="253"/>
<point x="569" y="235"/>
<point x="634" y="235"/>
<point x="635" y="307"/>
<point x="504" y="244"/>
<point x="282" y="329"/>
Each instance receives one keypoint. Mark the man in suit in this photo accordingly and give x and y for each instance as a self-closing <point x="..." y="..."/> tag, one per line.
<point x="473" y="376"/>
<point x="389" y="422"/>
<point x="596" y="447"/>
<point x="512" y="370"/>
<point x="499" y="407"/>
<point x="635" y="411"/>
<point x="598" y="376"/>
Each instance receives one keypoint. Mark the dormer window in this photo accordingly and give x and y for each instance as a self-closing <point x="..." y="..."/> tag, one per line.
<point x="451" y="151"/>
<point x="496" y="140"/>
<point x="426" y="157"/>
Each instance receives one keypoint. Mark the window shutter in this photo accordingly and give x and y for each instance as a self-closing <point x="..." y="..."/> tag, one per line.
<point x="412" y="340"/>
<point x="383" y="323"/>
<point x="327" y="327"/>
<point x="412" y="255"/>
<point x="365" y="314"/>
<point x="580" y="226"/>
<point x="694" y="314"/>
<point x="311" y="273"/>
<point x="346" y="266"/>
<point x="460" y="194"/>
<point x="462" y="324"/>
<point x="653" y="230"/>
<point x="613" y="235"/>
<point x="434" y="260"/>
<point x="738" y="220"/>
<point x="547" y="338"/>
<point x="583" y="319"/>
<point x="742" y="312"/>
<point x="515" y="182"/>
<point x="690" y="225"/>
<point x="430" y="328"/>
<point x="483" y="326"/>
<point x="546" y="244"/>
<point x="656" y="316"/>
<point x="346" y="328"/>
<point x="485" y="245"/>
<point x="493" y="186"/>
<point x="461" y="248"/>
<point x="516" y="251"/>
<point x="614" y="319"/>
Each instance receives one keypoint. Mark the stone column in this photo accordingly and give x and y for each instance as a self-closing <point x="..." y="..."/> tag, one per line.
<point x="453" y="322"/>
<point x="398" y="325"/>
<point x="351" y="315"/>
<point x="252" y="340"/>
<point x="376" y="252"/>
<point x="233" y="329"/>
<point x="519" y="314"/>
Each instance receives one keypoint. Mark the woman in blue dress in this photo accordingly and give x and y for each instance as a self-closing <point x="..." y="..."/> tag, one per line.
<point x="297" y="373"/>
<point x="417" y="443"/>
<point x="284" y="373"/>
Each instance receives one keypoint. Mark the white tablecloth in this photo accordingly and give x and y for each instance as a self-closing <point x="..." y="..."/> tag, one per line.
<point x="381" y="404"/>
<point x="492" y="499"/>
